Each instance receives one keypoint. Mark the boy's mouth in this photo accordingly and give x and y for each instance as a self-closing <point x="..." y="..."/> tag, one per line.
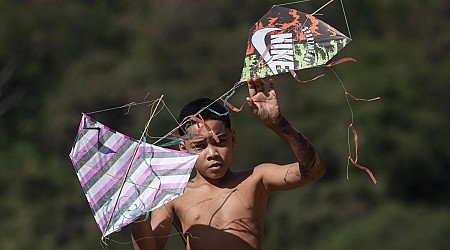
<point x="215" y="166"/>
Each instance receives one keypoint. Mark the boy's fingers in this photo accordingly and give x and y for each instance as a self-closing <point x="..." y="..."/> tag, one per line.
<point x="271" y="85"/>
<point x="259" y="84"/>
<point x="251" y="87"/>
<point x="250" y="103"/>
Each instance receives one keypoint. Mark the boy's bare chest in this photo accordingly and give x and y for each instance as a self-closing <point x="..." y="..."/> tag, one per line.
<point x="221" y="208"/>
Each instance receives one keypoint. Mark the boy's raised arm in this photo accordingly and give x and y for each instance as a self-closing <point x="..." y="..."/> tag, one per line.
<point x="309" y="166"/>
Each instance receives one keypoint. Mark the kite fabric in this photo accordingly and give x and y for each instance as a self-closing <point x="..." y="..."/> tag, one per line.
<point x="286" y="39"/>
<point x="102" y="159"/>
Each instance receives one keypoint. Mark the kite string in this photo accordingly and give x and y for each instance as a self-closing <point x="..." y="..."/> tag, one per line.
<point x="128" y="105"/>
<point x="346" y="21"/>
<point x="143" y="238"/>
<point x="343" y="12"/>
<point x="180" y="125"/>
<point x="154" y="112"/>
<point x="283" y="4"/>
<point x="323" y="6"/>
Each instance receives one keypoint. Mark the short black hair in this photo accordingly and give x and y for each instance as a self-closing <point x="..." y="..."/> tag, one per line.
<point x="209" y="110"/>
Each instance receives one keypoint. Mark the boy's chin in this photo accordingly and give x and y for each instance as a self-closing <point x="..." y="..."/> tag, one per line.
<point x="216" y="174"/>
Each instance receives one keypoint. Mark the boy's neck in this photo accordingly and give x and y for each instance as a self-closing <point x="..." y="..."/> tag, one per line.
<point x="222" y="182"/>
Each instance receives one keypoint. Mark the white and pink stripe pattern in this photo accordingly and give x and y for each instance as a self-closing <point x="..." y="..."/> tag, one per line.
<point x="102" y="156"/>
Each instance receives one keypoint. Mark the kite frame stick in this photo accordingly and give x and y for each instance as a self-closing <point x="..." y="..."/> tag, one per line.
<point x="323" y="6"/>
<point x="129" y="166"/>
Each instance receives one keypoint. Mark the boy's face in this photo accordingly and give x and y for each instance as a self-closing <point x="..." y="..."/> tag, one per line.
<point x="214" y="157"/>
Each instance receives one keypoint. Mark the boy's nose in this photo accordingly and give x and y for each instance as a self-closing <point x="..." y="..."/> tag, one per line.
<point x="212" y="152"/>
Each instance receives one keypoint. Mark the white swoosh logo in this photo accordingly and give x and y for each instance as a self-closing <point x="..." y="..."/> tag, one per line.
<point x="259" y="42"/>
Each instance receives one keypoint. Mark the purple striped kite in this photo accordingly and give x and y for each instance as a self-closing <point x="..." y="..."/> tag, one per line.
<point x="124" y="178"/>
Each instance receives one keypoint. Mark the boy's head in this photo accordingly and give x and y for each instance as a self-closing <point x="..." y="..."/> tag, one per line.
<point x="215" y="149"/>
<point x="211" y="110"/>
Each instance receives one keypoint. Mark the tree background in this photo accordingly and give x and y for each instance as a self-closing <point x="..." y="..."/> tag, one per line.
<point x="61" y="58"/>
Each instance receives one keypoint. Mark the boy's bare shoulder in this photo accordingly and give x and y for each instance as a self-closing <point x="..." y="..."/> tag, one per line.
<point x="247" y="179"/>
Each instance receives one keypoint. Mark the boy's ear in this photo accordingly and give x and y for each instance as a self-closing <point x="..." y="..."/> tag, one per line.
<point x="182" y="146"/>
<point x="233" y="138"/>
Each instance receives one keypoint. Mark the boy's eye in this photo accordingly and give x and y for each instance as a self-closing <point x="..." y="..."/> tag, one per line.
<point x="198" y="146"/>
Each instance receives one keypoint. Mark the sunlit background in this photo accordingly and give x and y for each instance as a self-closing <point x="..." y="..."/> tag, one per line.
<point x="61" y="58"/>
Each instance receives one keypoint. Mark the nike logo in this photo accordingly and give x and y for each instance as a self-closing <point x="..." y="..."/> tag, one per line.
<point x="280" y="54"/>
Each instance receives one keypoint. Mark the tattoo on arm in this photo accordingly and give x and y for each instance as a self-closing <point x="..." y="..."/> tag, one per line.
<point x="303" y="150"/>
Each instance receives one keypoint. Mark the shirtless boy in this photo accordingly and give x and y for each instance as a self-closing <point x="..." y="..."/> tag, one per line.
<point x="222" y="209"/>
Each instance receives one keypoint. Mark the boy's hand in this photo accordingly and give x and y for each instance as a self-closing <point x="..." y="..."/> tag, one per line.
<point x="263" y="101"/>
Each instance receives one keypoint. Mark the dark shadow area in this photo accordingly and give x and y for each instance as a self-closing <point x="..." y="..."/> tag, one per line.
<point x="205" y="237"/>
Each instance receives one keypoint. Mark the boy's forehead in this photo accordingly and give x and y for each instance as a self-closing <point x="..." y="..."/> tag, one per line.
<point x="216" y="126"/>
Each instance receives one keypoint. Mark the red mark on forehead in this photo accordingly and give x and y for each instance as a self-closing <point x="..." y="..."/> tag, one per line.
<point x="201" y="125"/>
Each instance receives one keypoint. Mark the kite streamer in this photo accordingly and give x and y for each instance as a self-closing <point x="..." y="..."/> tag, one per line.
<point x="354" y="161"/>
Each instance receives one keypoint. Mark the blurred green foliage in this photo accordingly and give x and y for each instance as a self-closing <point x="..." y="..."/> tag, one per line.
<point x="61" y="58"/>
